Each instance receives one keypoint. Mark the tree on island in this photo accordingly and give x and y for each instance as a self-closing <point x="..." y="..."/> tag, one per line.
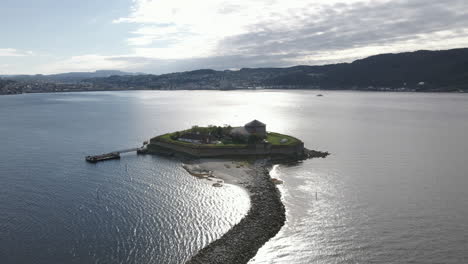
<point x="218" y="132"/>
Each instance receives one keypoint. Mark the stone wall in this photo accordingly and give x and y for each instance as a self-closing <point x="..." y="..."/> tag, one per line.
<point x="297" y="149"/>
<point x="205" y="151"/>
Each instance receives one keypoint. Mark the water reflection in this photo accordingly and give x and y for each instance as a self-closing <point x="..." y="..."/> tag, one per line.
<point x="394" y="189"/>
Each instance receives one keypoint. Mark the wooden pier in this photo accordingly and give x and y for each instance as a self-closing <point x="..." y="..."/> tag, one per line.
<point x="111" y="155"/>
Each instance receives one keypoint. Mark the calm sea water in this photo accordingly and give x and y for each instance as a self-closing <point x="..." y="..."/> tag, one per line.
<point x="394" y="190"/>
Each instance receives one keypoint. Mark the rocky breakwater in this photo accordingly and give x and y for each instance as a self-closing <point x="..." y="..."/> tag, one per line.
<point x="262" y="222"/>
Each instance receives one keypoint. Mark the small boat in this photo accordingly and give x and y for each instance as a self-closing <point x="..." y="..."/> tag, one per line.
<point x="319" y="94"/>
<point x="108" y="156"/>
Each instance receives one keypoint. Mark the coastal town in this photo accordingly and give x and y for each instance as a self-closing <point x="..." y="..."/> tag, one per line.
<point x="403" y="72"/>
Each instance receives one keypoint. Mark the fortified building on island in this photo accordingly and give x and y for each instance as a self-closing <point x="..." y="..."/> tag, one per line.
<point x="254" y="127"/>
<point x="252" y="139"/>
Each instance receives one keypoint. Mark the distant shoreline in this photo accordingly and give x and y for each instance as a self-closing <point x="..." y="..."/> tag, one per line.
<point x="418" y="71"/>
<point x="265" y="89"/>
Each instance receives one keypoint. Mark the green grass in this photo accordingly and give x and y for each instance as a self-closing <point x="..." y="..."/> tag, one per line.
<point x="275" y="139"/>
<point x="167" y="138"/>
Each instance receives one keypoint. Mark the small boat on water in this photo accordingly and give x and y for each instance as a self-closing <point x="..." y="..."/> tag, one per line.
<point x="319" y="94"/>
<point x="108" y="156"/>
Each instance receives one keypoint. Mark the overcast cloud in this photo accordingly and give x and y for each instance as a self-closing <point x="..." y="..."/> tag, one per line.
<point x="178" y="35"/>
<point x="304" y="32"/>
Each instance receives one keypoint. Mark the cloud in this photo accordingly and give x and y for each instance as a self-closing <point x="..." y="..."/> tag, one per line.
<point x="178" y="35"/>
<point x="294" y="31"/>
<point x="346" y="26"/>
<point x="14" y="53"/>
<point x="91" y="62"/>
<point x="149" y="34"/>
<point x="184" y="24"/>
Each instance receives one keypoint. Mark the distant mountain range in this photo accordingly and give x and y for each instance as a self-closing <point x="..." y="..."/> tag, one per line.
<point x="69" y="77"/>
<point x="411" y="71"/>
<point x="428" y="71"/>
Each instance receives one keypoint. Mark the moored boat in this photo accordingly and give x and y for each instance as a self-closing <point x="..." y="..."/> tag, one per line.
<point x="108" y="156"/>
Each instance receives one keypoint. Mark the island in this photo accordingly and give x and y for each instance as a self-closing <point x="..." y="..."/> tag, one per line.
<point x="243" y="156"/>
<point x="250" y="140"/>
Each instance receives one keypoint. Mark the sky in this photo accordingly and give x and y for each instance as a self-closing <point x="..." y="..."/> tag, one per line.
<point x="162" y="36"/>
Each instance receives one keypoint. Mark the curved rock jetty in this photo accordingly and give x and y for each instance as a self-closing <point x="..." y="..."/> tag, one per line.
<point x="262" y="222"/>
